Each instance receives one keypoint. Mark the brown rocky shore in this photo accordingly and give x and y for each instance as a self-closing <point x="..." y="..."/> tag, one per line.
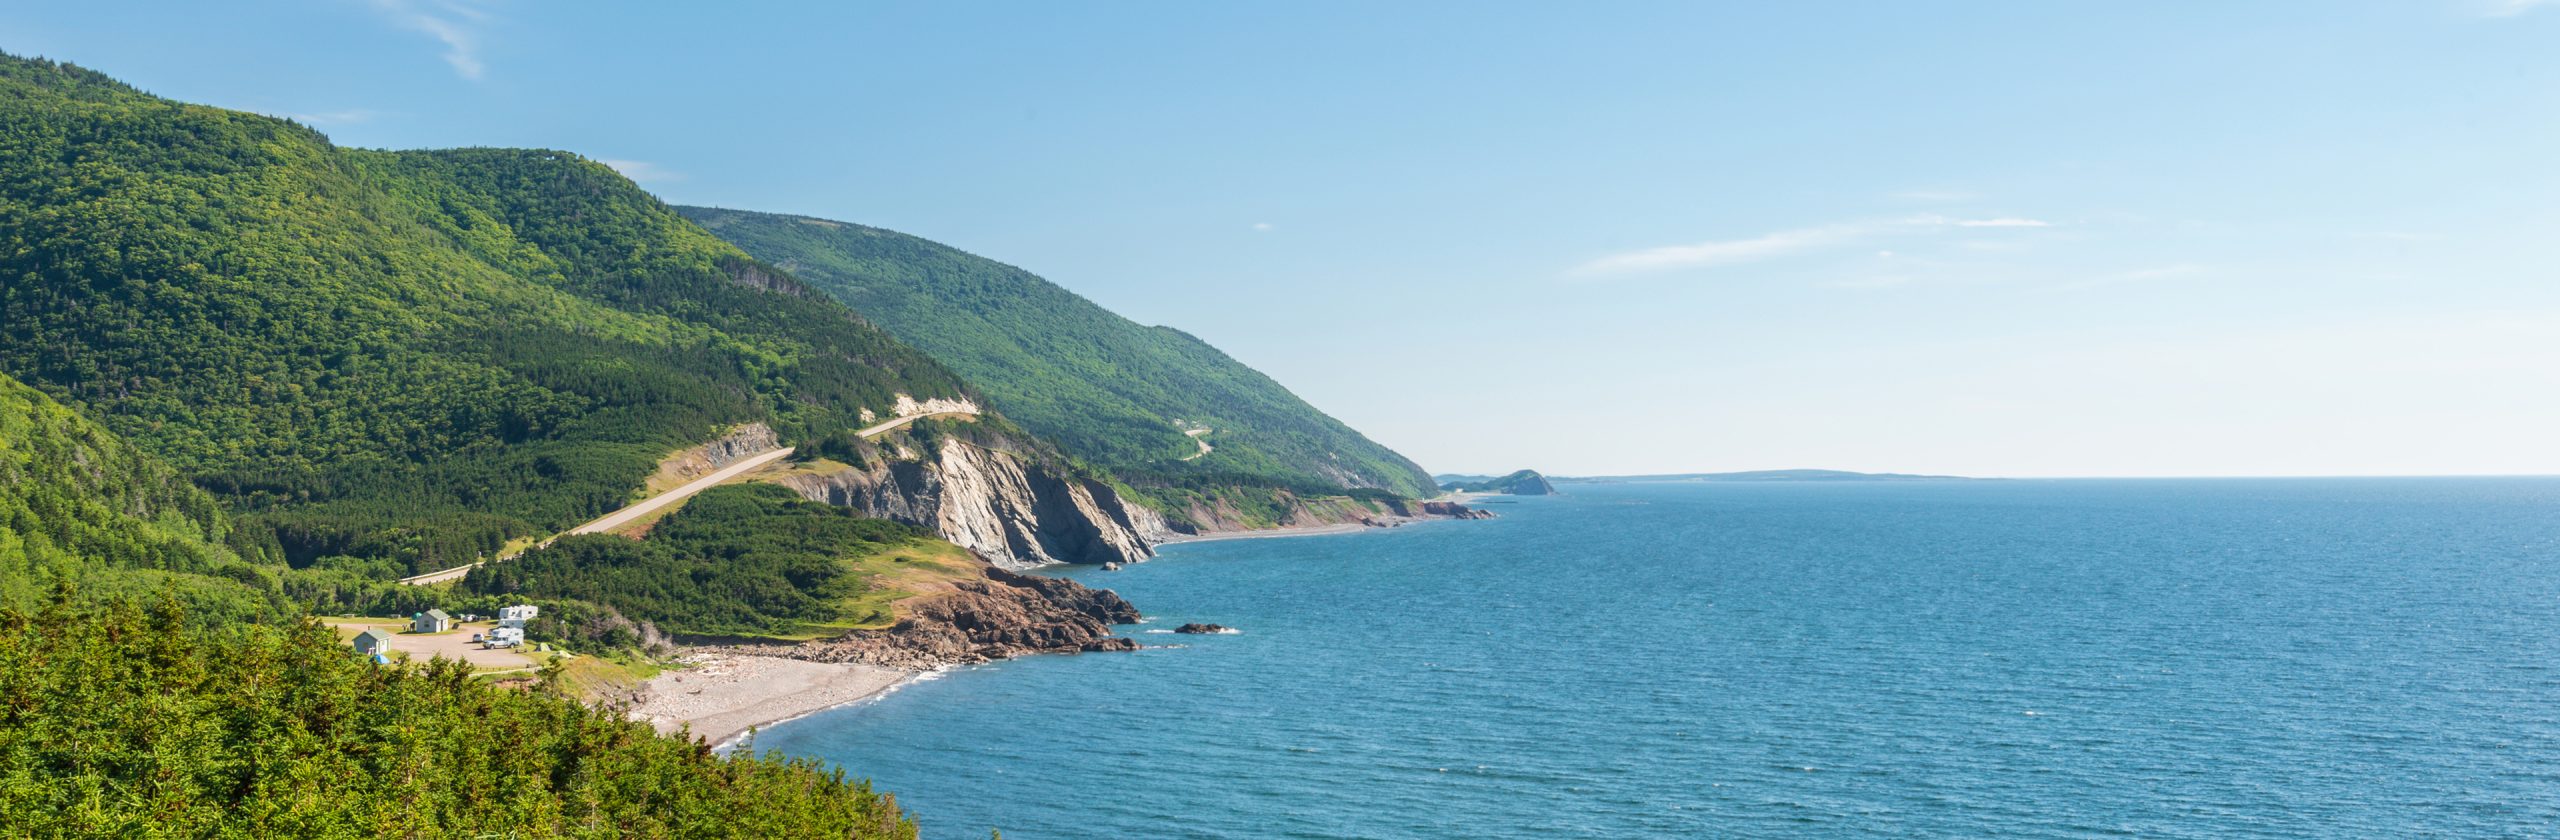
<point x="1006" y="615"/>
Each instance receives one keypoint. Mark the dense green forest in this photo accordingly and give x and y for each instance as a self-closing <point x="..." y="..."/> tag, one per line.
<point x="1104" y="388"/>
<point x="388" y="362"/>
<point x="80" y="507"/>
<point x="740" y="560"/>
<point x="126" y="722"/>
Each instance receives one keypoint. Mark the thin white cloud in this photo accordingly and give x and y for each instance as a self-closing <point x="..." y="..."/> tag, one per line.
<point x="1262" y="226"/>
<point x="1715" y="254"/>
<point x="349" y="116"/>
<point x="2512" y="8"/>
<point x="1726" y="252"/>
<point x="456" y="23"/>
<point x="642" y="171"/>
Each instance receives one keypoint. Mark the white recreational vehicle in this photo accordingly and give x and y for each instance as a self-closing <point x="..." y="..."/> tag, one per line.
<point x="510" y="629"/>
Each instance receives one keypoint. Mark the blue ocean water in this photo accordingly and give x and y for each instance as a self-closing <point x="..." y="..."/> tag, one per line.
<point x="2205" y="658"/>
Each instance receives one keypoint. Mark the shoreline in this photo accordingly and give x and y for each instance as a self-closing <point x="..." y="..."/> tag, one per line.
<point x="723" y="695"/>
<point x="1269" y="533"/>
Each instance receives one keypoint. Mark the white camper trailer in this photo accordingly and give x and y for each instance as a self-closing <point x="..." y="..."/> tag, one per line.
<point x="503" y="637"/>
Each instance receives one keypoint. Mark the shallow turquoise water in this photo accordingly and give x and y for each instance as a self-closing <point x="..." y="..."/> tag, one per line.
<point x="2223" y="658"/>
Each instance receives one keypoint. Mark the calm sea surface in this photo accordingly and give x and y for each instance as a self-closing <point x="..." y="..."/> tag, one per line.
<point x="2210" y="658"/>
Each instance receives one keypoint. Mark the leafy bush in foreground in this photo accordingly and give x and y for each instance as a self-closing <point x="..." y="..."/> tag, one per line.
<point x="123" y="722"/>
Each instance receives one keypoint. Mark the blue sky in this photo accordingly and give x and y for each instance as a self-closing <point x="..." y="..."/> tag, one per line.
<point x="1985" y="238"/>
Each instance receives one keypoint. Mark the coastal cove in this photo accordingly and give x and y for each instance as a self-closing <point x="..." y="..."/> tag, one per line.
<point x="2029" y="658"/>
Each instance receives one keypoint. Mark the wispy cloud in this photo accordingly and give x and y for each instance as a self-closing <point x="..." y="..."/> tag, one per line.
<point x="2512" y="8"/>
<point x="1725" y="252"/>
<point x="1719" y="253"/>
<point x="1262" y="226"/>
<point x="642" y="171"/>
<point x="349" y="116"/>
<point x="456" y="23"/>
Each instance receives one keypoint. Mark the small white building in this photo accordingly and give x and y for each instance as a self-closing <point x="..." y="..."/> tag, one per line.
<point x="373" y="643"/>
<point x="431" y="621"/>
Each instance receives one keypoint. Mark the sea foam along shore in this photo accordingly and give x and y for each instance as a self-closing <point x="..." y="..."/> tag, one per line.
<point x="723" y="695"/>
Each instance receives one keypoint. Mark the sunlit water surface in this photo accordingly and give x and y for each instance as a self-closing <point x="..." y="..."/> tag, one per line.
<point x="2213" y="658"/>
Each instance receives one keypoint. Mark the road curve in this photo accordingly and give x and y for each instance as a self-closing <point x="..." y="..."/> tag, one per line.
<point x="895" y="422"/>
<point x="643" y="507"/>
<point x="618" y="518"/>
<point x="639" y="509"/>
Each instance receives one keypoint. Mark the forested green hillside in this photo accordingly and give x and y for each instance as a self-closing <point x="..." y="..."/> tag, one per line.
<point x="391" y="361"/>
<point x="741" y="560"/>
<point x="1103" y="387"/>
<point x="126" y="723"/>
<point x="80" y="507"/>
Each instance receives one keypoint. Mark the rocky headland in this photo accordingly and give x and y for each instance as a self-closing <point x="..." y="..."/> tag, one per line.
<point x="1519" y="483"/>
<point x="1005" y="615"/>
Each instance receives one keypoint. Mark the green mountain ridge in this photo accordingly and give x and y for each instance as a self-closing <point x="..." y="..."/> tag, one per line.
<point x="246" y="374"/>
<point x="403" y="359"/>
<point x="1110" y="391"/>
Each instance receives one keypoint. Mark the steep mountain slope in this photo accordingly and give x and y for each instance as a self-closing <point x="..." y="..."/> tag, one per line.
<point x="402" y="358"/>
<point x="1138" y="401"/>
<point x="82" y="507"/>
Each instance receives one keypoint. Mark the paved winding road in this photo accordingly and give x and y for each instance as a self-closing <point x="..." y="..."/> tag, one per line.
<point x="644" y="507"/>
<point x="895" y="422"/>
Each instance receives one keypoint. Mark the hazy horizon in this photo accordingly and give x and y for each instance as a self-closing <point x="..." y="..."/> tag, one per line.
<point x="1984" y="477"/>
<point x="2013" y="240"/>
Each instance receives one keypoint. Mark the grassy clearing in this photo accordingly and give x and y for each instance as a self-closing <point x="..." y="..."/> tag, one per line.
<point x="594" y="677"/>
<point x="891" y="577"/>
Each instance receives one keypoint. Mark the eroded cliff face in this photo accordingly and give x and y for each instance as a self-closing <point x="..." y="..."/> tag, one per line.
<point x="739" y="442"/>
<point x="1246" y="510"/>
<point x="1017" y="513"/>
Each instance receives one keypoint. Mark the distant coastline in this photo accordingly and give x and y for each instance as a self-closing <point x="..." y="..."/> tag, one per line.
<point x="1759" y="476"/>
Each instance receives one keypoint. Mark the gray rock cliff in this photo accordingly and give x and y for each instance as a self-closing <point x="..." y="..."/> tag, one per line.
<point x="1019" y="514"/>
